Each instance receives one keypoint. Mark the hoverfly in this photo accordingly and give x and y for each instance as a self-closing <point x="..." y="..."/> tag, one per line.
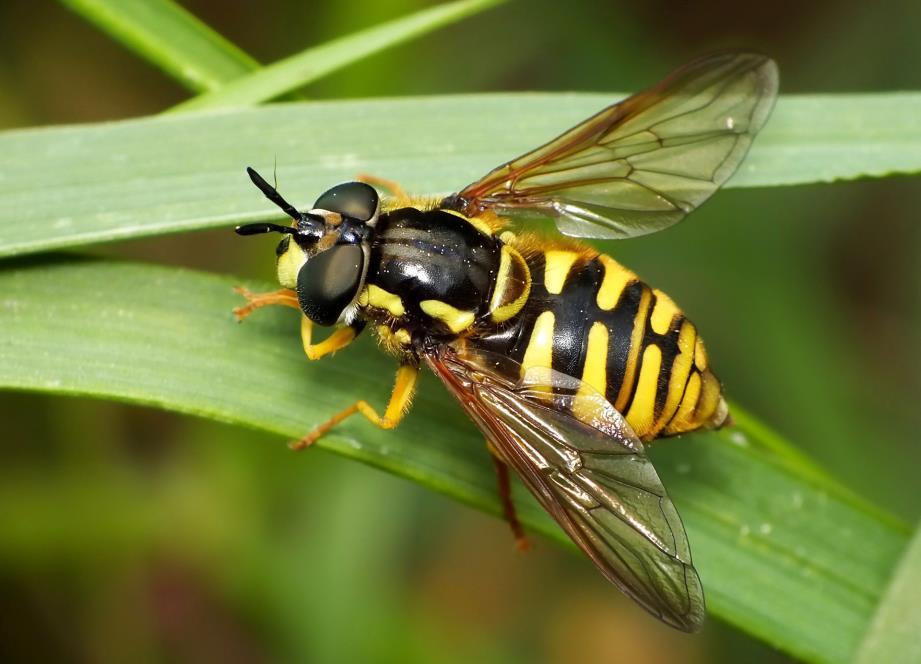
<point x="564" y="359"/>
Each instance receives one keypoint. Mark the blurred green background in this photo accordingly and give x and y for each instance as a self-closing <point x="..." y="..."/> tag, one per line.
<point x="130" y="534"/>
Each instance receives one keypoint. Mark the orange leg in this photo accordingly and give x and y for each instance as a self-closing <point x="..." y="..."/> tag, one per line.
<point x="284" y="297"/>
<point x="403" y="390"/>
<point x="505" y="497"/>
<point x="396" y="190"/>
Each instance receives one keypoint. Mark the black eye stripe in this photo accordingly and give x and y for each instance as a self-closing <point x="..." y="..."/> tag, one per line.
<point x="283" y="245"/>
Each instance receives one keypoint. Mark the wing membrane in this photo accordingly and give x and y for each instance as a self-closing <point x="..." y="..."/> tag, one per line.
<point x="644" y="163"/>
<point x="595" y="480"/>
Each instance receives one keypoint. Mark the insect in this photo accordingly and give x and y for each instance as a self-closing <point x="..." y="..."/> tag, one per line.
<point x="565" y="360"/>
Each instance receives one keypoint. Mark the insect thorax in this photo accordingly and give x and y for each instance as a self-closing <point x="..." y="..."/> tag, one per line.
<point x="438" y="273"/>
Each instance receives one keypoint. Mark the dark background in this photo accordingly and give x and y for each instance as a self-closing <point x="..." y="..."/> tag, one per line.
<point x="132" y="534"/>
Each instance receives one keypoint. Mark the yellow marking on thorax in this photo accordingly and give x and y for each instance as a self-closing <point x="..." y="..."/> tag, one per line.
<point x="385" y="335"/>
<point x="557" y="264"/>
<point x="616" y="278"/>
<point x="594" y="375"/>
<point x="476" y="222"/>
<point x="539" y="352"/>
<point x="678" y="378"/>
<point x="509" y="293"/>
<point x="422" y="203"/>
<point x="642" y="409"/>
<point x="663" y="313"/>
<point x="454" y="318"/>
<point x="377" y="297"/>
<point x="393" y="341"/>
<point x="636" y="340"/>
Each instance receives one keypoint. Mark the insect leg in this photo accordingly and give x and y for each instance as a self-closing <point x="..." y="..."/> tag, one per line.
<point x="338" y="340"/>
<point x="283" y="297"/>
<point x="505" y="497"/>
<point x="403" y="390"/>
<point x="402" y="199"/>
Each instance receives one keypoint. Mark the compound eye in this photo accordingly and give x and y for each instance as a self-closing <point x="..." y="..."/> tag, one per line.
<point x="329" y="281"/>
<point x="350" y="199"/>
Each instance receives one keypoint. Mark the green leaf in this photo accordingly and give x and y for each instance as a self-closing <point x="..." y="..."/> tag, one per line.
<point x="895" y="633"/>
<point x="784" y="555"/>
<point x="298" y="70"/>
<point x="72" y="186"/>
<point x="168" y="36"/>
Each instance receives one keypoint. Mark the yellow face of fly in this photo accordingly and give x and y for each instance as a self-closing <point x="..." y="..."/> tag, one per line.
<point x="291" y="258"/>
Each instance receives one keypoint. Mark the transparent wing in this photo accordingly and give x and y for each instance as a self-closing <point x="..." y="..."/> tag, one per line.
<point x="643" y="164"/>
<point x="595" y="480"/>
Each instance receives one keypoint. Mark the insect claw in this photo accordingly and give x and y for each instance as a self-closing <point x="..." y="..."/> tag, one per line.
<point x="302" y="444"/>
<point x="245" y="310"/>
<point x="283" y="297"/>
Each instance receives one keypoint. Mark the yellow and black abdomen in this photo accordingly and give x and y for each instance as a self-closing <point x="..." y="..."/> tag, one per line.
<point x="590" y="318"/>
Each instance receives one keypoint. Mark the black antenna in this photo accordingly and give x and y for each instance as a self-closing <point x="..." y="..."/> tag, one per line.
<point x="258" y="228"/>
<point x="272" y="194"/>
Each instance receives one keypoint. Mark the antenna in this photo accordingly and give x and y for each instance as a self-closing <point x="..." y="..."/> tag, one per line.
<point x="258" y="228"/>
<point x="272" y="194"/>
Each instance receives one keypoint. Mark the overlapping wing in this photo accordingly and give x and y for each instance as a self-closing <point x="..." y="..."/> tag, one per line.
<point x="644" y="163"/>
<point x="595" y="480"/>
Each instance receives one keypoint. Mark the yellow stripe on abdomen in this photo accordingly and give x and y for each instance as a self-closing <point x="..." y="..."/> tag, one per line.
<point x="616" y="278"/>
<point x="557" y="265"/>
<point x="539" y="352"/>
<point x="702" y="405"/>
<point x="678" y="375"/>
<point x="710" y="394"/>
<point x="684" y="418"/>
<point x="642" y="409"/>
<point x="636" y="344"/>
<point x="595" y="372"/>
<point x="590" y="397"/>
<point x="663" y="312"/>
